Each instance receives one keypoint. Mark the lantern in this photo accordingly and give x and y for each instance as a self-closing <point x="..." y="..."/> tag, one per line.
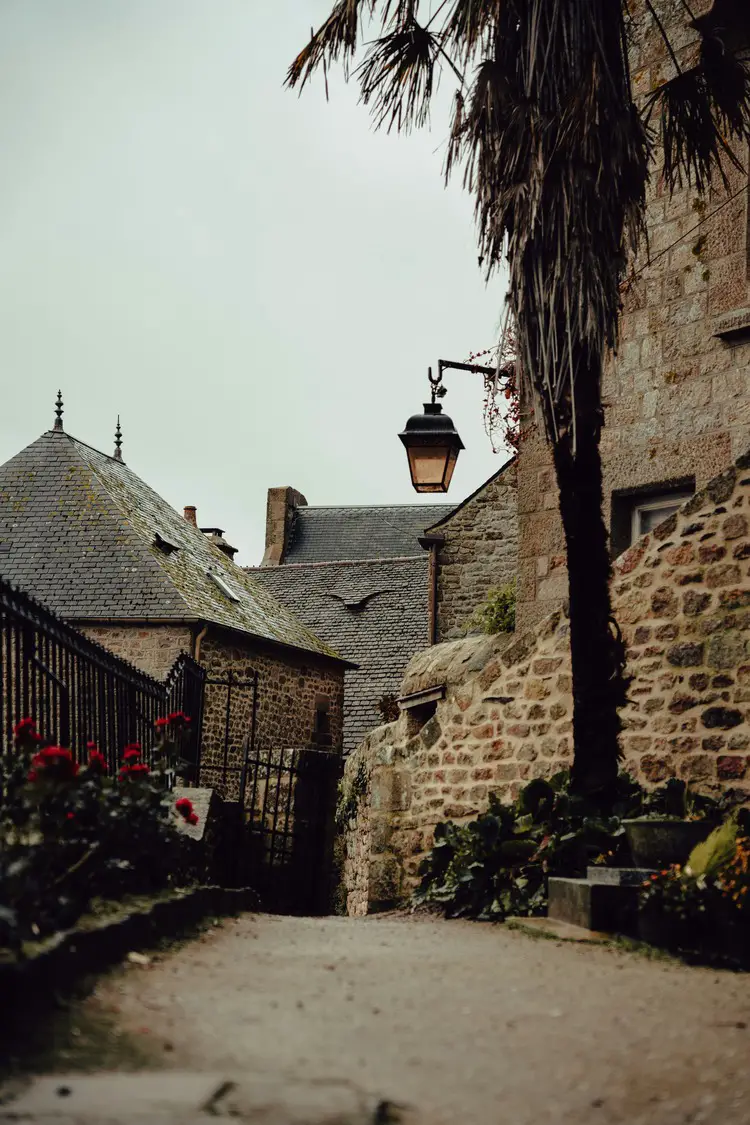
<point x="432" y="446"/>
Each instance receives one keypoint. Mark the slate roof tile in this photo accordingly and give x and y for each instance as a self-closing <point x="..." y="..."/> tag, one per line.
<point x="374" y="612"/>
<point x="351" y="533"/>
<point x="79" y="529"/>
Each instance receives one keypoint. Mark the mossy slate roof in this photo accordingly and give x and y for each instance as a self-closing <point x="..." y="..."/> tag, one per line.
<point x="78" y="531"/>
<point x="357" y="533"/>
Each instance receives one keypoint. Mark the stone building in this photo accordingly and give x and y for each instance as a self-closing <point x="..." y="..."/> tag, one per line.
<point x="473" y="549"/>
<point x="358" y="577"/>
<point x="484" y="715"/>
<point x="677" y="394"/>
<point x="84" y="534"/>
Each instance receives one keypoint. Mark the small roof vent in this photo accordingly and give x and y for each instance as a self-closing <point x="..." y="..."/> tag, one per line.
<point x="215" y="535"/>
<point x="226" y="589"/>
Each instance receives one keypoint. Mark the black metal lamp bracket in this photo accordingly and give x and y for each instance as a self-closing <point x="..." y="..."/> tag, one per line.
<point x="438" y="390"/>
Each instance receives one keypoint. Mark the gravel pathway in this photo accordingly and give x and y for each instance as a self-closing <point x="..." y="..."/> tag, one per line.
<point x="465" y="1022"/>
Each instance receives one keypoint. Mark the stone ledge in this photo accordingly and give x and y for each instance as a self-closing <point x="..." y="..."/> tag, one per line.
<point x="731" y="325"/>
<point x="56" y="969"/>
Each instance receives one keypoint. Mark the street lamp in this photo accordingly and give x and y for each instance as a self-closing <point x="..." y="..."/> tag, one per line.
<point x="431" y="440"/>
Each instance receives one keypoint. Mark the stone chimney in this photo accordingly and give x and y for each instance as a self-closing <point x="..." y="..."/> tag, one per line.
<point x="189" y="514"/>
<point x="280" y="508"/>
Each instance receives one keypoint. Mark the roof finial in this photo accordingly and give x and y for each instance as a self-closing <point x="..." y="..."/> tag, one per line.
<point x="118" y="441"/>
<point x="59" y="412"/>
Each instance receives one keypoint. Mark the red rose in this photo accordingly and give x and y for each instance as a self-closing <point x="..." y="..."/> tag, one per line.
<point x="132" y="753"/>
<point x="97" y="761"/>
<point x="178" y="719"/>
<point x="136" y="770"/>
<point x="192" y="819"/>
<point x="54" y="763"/>
<point x="185" y="808"/>
<point x="161" y="724"/>
<point x="25" y="734"/>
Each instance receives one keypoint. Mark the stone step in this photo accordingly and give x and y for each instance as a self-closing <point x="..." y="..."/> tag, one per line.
<point x="619" y="876"/>
<point x="605" y="907"/>
<point x="560" y="931"/>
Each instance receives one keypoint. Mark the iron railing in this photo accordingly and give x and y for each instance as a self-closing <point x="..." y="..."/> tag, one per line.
<point x="79" y="692"/>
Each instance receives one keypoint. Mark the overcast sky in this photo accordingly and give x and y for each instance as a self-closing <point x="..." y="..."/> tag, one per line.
<point x="256" y="282"/>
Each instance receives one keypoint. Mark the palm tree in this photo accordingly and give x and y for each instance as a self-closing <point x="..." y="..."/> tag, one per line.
<point x="557" y="154"/>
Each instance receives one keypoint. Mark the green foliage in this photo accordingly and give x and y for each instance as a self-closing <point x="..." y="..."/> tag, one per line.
<point x="351" y="791"/>
<point x="675" y="800"/>
<point x="702" y="910"/>
<point x="499" y="864"/>
<point x="68" y="835"/>
<point x="498" y="613"/>
<point x="388" y="707"/>
<point x="709" y="857"/>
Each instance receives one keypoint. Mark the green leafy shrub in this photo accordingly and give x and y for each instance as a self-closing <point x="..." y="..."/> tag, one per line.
<point x="675" y="800"/>
<point x="498" y="613"/>
<point x="499" y="864"/>
<point x="70" y="834"/>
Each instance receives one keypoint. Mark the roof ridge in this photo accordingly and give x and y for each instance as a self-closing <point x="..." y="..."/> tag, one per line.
<point x="78" y="441"/>
<point x="336" y="562"/>
<point x="364" y="507"/>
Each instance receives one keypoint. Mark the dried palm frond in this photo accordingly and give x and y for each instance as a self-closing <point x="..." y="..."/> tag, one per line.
<point x="397" y="76"/>
<point x="703" y="111"/>
<point x="469" y="24"/>
<point x="553" y="149"/>
<point x="337" y="38"/>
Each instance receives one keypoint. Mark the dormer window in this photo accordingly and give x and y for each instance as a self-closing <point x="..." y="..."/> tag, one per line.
<point x="164" y="545"/>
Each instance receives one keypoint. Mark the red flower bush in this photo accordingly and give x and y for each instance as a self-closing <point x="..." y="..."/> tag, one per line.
<point x="53" y="764"/>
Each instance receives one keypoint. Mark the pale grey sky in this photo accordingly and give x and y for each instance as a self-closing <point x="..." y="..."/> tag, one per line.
<point x="256" y="282"/>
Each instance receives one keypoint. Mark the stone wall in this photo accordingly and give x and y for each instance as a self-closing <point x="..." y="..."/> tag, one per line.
<point x="677" y="395"/>
<point x="478" y="552"/>
<point x="152" y="648"/>
<point x="291" y="688"/>
<point x="292" y="685"/>
<point x="682" y="598"/>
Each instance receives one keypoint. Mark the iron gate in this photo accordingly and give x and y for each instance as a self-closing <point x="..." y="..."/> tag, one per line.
<point x="288" y="800"/>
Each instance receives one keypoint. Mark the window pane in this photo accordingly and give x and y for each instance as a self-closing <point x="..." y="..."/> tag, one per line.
<point x="648" y="518"/>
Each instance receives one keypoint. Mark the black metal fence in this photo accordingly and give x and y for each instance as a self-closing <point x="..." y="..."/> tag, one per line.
<point x="79" y="692"/>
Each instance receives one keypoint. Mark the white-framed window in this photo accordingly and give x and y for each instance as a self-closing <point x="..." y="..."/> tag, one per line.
<point x="652" y="510"/>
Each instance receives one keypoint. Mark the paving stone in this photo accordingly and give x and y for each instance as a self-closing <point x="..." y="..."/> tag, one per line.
<point x="114" y="1096"/>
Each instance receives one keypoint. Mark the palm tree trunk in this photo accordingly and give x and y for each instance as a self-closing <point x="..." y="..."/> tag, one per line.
<point x="597" y="652"/>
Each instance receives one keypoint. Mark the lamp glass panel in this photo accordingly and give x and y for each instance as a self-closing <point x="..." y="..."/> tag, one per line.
<point x="430" y="465"/>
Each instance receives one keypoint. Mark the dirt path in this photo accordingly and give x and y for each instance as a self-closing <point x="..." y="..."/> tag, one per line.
<point x="468" y="1023"/>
